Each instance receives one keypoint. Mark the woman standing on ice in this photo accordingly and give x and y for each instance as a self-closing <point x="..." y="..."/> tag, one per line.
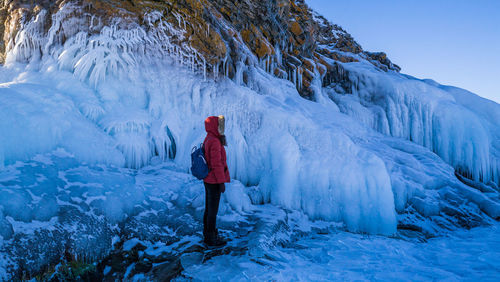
<point x="215" y="155"/>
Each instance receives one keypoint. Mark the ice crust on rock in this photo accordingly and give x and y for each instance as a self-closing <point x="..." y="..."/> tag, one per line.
<point x="5" y="227"/>
<point x="53" y="204"/>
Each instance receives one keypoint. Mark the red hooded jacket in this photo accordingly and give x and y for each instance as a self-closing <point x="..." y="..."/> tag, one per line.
<point x="215" y="153"/>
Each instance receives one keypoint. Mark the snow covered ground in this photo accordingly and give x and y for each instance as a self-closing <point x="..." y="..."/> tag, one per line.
<point x="54" y="205"/>
<point x="339" y="256"/>
<point x="92" y="207"/>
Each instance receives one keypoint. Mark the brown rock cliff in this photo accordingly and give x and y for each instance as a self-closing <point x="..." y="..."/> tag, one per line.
<point x="284" y="37"/>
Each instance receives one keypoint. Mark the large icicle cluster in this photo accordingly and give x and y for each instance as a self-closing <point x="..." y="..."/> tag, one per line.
<point x="111" y="52"/>
<point x="427" y="114"/>
<point x="148" y="107"/>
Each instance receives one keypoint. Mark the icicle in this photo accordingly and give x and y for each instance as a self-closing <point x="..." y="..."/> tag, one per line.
<point x="279" y="56"/>
<point x="204" y="70"/>
<point x="216" y="70"/>
<point x="299" y="78"/>
<point x="178" y="19"/>
<point x="294" y="76"/>
<point x="239" y="73"/>
<point x="224" y="66"/>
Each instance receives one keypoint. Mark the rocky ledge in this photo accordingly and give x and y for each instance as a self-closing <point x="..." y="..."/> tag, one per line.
<point x="283" y="37"/>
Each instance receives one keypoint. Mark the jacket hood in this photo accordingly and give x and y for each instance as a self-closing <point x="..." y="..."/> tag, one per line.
<point x="212" y="125"/>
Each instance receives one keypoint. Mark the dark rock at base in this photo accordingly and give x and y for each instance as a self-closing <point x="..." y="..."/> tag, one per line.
<point x="167" y="270"/>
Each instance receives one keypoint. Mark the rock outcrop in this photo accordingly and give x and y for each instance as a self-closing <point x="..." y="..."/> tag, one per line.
<point x="283" y="37"/>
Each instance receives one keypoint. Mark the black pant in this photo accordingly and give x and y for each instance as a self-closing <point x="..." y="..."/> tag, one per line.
<point x="212" y="198"/>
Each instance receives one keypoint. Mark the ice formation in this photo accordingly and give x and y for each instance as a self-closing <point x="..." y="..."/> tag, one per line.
<point x="75" y="114"/>
<point x="104" y="98"/>
<point x="118" y="115"/>
<point x="90" y="98"/>
<point x="428" y="114"/>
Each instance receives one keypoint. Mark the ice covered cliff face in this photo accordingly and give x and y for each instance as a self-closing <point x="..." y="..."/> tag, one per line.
<point x="230" y="39"/>
<point x="283" y="37"/>
<point x="128" y="92"/>
<point x="118" y="85"/>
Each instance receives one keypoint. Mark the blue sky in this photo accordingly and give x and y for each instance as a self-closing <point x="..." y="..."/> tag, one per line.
<point x="455" y="42"/>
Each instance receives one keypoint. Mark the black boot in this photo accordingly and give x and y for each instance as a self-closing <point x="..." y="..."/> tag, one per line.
<point x="205" y="237"/>
<point x="213" y="240"/>
<point x="219" y="238"/>
<point x="205" y="234"/>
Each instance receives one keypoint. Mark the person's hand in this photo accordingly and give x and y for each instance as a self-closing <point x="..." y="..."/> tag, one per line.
<point x="223" y="188"/>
